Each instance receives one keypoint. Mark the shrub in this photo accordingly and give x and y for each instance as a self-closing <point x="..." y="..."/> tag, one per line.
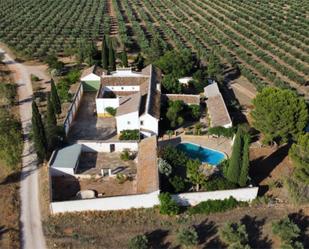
<point x="34" y="78"/>
<point x="286" y="229"/>
<point x="174" y="156"/>
<point x="218" y="183"/>
<point x="7" y="94"/>
<point x="111" y="111"/>
<point x="138" y="242"/>
<point x="234" y="235"/>
<point x="178" y="183"/>
<point x="168" y="205"/>
<point x="215" y="206"/>
<point x="121" y="178"/>
<point x="129" y="135"/>
<point x="164" y="167"/>
<point x="195" y="111"/>
<point x="298" y="191"/>
<point x="222" y="132"/>
<point x="126" y="155"/>
<point x="187" y="237"/>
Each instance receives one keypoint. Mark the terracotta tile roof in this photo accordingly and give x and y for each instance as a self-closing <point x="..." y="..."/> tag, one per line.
<point x="128" y="104"/>
<point x="147" y="166"/>
<point x="217" y="110"/>
<point x="155" y="104"/>
<point x="123" y="81"/>
<point x="186" y="98"/>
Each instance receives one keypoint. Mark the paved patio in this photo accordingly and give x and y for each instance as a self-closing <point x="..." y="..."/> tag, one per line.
<point x="220" y="144"/>
<point x="87" y="126"/>
<point x="92" y="164"/>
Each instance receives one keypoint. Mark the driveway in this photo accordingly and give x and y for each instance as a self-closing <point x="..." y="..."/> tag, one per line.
<point x="31" y="227"/>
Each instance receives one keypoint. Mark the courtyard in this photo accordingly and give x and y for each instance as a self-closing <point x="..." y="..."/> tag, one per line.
<point x="87" y="126"/>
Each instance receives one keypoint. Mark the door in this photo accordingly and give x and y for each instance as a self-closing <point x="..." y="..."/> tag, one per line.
<point x="112" y="147"/>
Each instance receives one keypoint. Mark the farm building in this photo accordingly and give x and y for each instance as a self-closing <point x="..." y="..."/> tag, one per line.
<point x="218" y="113"/>
<point x="65" y="161"/>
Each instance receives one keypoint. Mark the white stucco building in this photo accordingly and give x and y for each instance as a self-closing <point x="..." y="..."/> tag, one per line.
<point x="134" y="95"/>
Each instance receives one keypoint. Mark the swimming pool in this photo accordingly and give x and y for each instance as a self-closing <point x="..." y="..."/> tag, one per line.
<point x="205" y="155"/>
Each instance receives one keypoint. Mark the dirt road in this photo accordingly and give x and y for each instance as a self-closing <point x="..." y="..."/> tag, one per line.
<point x="30" y="220"/>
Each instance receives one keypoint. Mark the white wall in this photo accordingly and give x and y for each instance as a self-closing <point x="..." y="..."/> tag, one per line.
<point x="73" y="109"/>
<point x="96" y="146"/>
<point x="107" y="203"/>
<point x="150" y="123"/>
<point x="91" y="77"/>
<point x="123" y="88"/>
<point x="61" y="171"/>
<point x="102" y="103"/>
<point x="241" y="194"/>
<point x="128" y="121"/>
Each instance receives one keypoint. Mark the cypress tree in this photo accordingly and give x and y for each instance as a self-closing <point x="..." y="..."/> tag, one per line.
<point x="243" y="178"/>
<point x="124" y="58"/>
<point x="55" y="98"/>
<point x="111" y="59"/>
<point x="38" y="132"/>
<point x="234" y="168"/>
<point x="51" y="126"/>
<point x="104" y="54"/>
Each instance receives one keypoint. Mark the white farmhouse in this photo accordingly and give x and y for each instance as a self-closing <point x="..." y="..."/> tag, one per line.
<point x="134" y="95"/>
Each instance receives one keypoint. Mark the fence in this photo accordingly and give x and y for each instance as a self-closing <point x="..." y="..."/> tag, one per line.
<point x="241" y="194"/>
<point x="107" y="203"/>
<point x="73" y="109"/>
<point x="107" y="146"/>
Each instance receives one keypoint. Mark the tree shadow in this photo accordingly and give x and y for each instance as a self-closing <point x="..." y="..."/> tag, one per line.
<point x="156" y="239"/>
<point x="254" y="228"/>
<point x="214" y="243"/>
<point x="262" y="167"/>
<point x="3" y="230"/>
<point x="205" y="230"/>
<point x="302" y="220"/>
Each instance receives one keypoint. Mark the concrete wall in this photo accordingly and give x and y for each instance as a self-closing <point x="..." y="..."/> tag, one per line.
<point x="241" y="194"/>
<point x="61" y="171"/>
<point x="123" y="88"/>
<point x="107" y="203"/>
<point x="128" y="121"/>
<point x="73" y="109"/>
<point x="102" y="103"/>
<point x="98" y="146"/>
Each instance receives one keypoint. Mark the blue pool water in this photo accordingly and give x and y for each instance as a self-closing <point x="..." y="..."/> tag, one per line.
<point x="205" y="155"/>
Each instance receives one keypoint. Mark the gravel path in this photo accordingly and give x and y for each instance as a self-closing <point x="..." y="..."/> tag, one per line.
<point x="30" y="220"/>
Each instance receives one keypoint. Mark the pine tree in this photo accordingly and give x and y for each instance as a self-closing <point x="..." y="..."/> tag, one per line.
<point x="124" y="58"/>
<point x="38" y="132"/>
<point x="234" y="168"/>
<point x="111" y="59"/>
<point x="51" y="126"/>
<point x="243" y="178"/>
<point x="55" y="98"/>
<point x="104" y="54"/>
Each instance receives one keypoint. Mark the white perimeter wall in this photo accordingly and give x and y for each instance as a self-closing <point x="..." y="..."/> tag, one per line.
<point x="107" y="203"/>
<point x="91" y="77"/>
<point x="102" y="103"/>
<point x="97" y="146"/>
<point x="122" y="88"/>
<point x="150" y="123"/>
<point x="128" y="121"/>
<point x="241" y="194"/>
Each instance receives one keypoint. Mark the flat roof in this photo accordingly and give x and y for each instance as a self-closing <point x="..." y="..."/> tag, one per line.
<point x="66" y="157"/>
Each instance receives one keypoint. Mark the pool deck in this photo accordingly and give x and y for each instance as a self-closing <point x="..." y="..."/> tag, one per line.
<point x="220" y="144"/>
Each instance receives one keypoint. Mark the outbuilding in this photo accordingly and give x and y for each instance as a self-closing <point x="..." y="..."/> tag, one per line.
<point x="65" y="161"/>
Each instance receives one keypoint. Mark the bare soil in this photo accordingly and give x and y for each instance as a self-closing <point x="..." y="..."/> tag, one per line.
<point x="113" y="230"/>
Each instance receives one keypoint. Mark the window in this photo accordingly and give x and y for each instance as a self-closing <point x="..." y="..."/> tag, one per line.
<point x="142" y="122"/>
<point x="129" y="122"/>
<point x="122" y="88"/>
